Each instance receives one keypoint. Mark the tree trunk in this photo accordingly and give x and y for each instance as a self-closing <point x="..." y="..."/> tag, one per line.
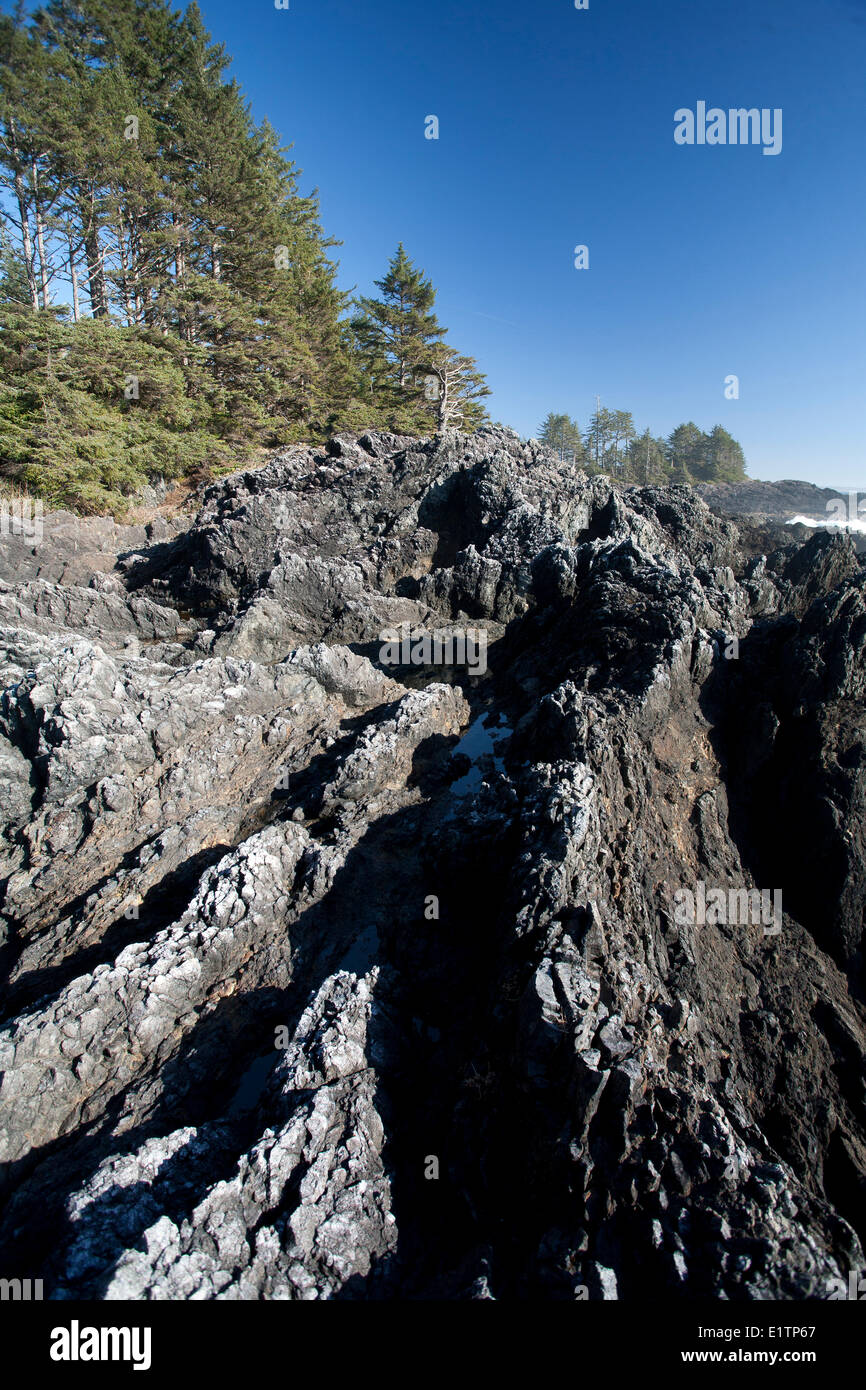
<point x="124" y="273"/>
<point x="443" y="407"/>
<point x="25" y="239"/>
<point x="138" y="298"/>
<point x="95" y="270"/>
<point x="96" y="280"/>
<point x="179" y="250"/>
<point x="73" y="275"/>
<point x="24" y="213"/>
<point x="40" y="239"/>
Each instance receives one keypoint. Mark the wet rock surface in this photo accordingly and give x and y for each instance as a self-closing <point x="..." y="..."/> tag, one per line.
<point x="331" y="978"/>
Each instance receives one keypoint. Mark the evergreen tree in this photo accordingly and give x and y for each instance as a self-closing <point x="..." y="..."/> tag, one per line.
<point x="26" y="174"/>
<point x="14" y="286"/>
<point x="647" y="462"/>
<point x="142" y="184"/>
<point x="395" y="337"/>
<point x="725" y="459"/>
<point x="598" y="437"/>
<point x="204" y="314"/>
<point x="685" y="450"/>
<point x="458" y="387"/>
<point x="562" y="434"/>
<point x="611" y="443"/>
<point x="622" y="432"/>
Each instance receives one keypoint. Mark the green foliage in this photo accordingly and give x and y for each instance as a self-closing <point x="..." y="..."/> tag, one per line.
<point x="562" y="434"/>
<point x="14" y="288"/>
<point x="610" y="444"/>
<point x="67" y="431"/>
<point x="201" y="317"/>
<point x="135" y="186"/>
<point x="394" y="337"/>
<point x="413" y="381"/>
<point x="454" y="387"/>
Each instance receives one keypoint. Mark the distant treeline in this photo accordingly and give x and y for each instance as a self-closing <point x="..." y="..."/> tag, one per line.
<point x="610" y="443"/>
<point x="200" y="318"/>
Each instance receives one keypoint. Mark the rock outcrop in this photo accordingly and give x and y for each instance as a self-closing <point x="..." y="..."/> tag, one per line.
<point x="331" y="975"/>
<point x="778" y="500"/>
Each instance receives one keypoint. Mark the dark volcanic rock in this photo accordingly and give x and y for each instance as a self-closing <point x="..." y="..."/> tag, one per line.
<point x="782" y="500"/>
<point x="801" y="506"/>
<point x="331" y="978"/>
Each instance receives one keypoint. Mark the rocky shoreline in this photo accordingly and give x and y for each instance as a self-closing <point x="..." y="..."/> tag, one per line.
<point x="310" y="994"/>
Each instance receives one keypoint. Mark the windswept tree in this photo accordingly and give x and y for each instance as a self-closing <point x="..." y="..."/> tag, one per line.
<point x="607" y="439"/>
<point x="698" y="457"/>
<point x="455" y="386"/>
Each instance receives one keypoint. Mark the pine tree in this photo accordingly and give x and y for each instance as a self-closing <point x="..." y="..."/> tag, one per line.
<point x="598" y="437"/>
<point x="611" y="443"/>
<point x="622" y="432"/>
<point x="562" y="434"/>
<point x="686" y="449"/>
<point x="136" y="178"/>
<point x="14" y="285"/>
<point x="726" y="462"/>
<point x="395" y="337"/>
<point x="24" y="158"/>
<point x="456" y="386"/>
<point x="647" y="464"/>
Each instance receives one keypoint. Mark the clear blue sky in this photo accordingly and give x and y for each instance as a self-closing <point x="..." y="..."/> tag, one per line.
<point x="556" y="128"/>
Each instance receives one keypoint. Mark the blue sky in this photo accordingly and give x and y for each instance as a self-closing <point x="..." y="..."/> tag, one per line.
<point x="556" y="129"/>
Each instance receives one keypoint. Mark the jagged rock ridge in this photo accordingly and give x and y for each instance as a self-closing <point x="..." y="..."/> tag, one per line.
<point x="286" y="930"/>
